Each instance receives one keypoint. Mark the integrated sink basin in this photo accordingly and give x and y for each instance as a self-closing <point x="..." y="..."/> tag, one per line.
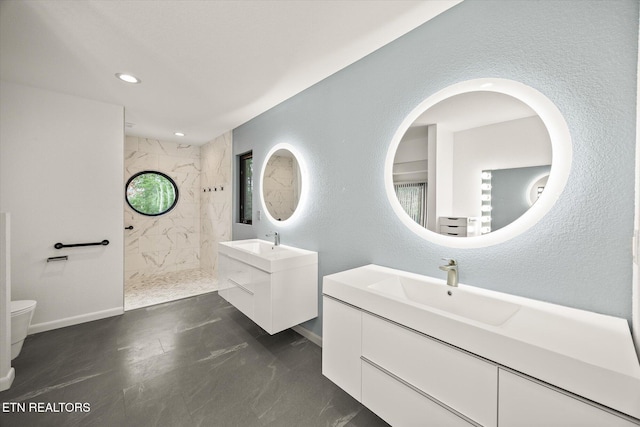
<point x="267" y="256"/>
<point x="586" y="353"/>
<point x="456" y="301"/>
<point x="259" y="247"/>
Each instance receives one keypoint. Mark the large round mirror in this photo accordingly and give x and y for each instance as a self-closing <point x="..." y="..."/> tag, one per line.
<point x="473" y="165"/>
<point x="281" y="183"/>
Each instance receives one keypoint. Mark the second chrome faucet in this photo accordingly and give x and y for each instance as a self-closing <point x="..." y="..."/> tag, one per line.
<point x="452" y="271"/>
<point x="276" y="238"/>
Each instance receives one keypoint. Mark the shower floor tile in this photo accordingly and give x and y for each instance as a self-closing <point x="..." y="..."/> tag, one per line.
<point x="151" y="290"/>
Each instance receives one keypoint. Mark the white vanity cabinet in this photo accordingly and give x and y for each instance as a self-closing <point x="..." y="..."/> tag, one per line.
<point x="411" y="379"/>
<point x="459" y="226"/>
<point x="529" y="403"/>
<point x="277" y="290"/>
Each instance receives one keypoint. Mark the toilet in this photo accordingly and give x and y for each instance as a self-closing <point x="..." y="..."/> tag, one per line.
<point x="21" y="314"/>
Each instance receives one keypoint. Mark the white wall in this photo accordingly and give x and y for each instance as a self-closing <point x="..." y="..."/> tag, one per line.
<point x="635" y="295"/>
<point x="411" y="161"/>
<point x="512" y="144"/>
<point x="444" y="168"/>
<point x="7" y="373"/>
<point x="61" y="168"/>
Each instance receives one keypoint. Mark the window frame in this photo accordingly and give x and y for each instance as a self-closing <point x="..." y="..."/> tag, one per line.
<point x="244" y="216"/>
<point x="154" y="172"/>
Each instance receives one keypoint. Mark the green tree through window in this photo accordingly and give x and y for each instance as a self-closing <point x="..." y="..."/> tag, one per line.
<point x="151" y="193"/>
<point x="246" y="188"/>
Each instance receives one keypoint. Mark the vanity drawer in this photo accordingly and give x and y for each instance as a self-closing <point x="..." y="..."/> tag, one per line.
<point x="238" y="272"/>
<point x="463" y="382"/>
<point x="399" y="404"/>
<point x="524" y="402"/>
<point x="452" y="230"/>
<point x="456" y="221"/>
<point x="240" y="297"/>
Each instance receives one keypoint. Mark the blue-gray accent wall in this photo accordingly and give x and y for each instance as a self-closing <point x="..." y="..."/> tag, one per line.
<point x="581" y="54"/>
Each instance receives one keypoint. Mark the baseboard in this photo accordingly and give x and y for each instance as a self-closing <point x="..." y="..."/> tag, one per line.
<point x="75" y="320"/>
<point x="314" y="338"/>
<point x="7" y="380"/>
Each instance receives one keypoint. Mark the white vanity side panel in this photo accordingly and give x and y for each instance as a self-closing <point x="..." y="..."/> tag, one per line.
<point x="464" y="382"/>
<point x="526" y="403"/>
<point x="341" y="345"/>
<point x="295" y="294"/>
<point x="399" y="405"/>
<point x="262" y="308"/>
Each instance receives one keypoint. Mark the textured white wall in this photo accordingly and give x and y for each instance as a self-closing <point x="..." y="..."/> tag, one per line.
<point x="636" y="273"/>
<point x="7" y="373"/>
<point x="61" y="180"/>
<point x="579" y="254"/>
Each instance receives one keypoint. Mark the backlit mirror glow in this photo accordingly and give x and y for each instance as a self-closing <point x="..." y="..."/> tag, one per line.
<point x="282" y="184"/>
<point x="461" y="167"/>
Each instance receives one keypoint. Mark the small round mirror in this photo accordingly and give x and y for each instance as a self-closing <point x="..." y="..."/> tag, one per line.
<point x="281" y="183"/>
<point x="151" y="193"/>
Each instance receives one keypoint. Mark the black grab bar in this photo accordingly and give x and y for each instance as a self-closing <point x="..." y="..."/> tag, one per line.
<point x="60" y="245"/>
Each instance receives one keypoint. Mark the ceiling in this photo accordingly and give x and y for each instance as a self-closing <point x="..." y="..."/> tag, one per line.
<point x="206" y="66"/>
<point x="474" y="109"/>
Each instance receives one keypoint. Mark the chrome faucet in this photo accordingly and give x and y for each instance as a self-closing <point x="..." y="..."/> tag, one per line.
<point x="276" y="238"/>
<point x="452" y="271"/>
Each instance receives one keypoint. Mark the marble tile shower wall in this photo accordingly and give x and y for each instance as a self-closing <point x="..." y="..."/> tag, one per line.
<point x="169" y="242"/>
<point x="280" y="183"/>
<point x="215" y="205"/>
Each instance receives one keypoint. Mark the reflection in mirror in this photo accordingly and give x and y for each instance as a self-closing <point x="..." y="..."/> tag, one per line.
<point x="513" y="192"/>
<point x="281" y="182"/>
<point x="465" y="166"/>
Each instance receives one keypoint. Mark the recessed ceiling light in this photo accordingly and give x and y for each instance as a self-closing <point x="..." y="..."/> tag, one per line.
<point x="128" y="78"/>
<point x="179" y="134"/>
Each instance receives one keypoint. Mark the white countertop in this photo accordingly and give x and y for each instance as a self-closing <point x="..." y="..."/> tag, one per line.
<point x="586" y="353"/>
<point x="266" y="256"/>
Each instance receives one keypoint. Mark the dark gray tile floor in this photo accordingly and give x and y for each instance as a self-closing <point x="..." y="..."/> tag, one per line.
<point x="193" y="362"/>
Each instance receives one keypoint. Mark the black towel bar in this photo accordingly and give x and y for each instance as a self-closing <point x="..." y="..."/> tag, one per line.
<point x="61" y="245"/>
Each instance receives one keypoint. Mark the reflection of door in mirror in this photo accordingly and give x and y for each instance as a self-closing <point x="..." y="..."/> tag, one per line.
<point x="281" y="185"/>
<point x="448" y="147"/>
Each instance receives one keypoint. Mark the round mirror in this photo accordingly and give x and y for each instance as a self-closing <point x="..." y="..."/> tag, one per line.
<point x="462" y="168"/>
<point x="282" y="183"/>
<point x="151" y="193"/>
